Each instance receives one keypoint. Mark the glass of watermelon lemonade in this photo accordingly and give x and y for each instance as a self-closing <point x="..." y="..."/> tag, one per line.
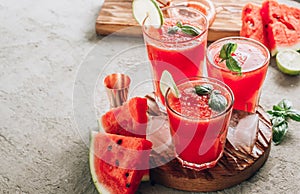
<point x="253" y="58"/>
<point x="181" y="54"/>
<point x="198" y="131"/>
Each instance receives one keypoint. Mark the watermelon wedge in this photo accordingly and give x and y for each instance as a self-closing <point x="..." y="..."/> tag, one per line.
<point x="252" y="24"/>
<point x="118" y="163"/>
<point x="275" y="25"/>
<point x="130" y="119"/>
<point x="282" y="26"/>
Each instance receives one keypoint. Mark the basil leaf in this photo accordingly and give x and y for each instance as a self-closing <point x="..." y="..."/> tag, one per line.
<point x="233" y="65"/>
<point x="217" y="101"/>
<point x="276" y="112"/>
<point x="203" y="89"/>
<point x="225" y="54"/>
<point x="227" y="50"/>
<point x="186" y="29"/>
<point x="294" y="114"/>
<point x="179" y="24"/>
<point x="277" y="121"/>
<point x="173" y="30"/>
<point x="285" y="104"/>
<point x="279" y="132"/>
<point x="231" y="48"/>
<point x="190" y="30"/>
<point x="278" y="108"/>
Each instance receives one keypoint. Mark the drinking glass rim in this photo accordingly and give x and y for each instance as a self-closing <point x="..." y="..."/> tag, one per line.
<point x="211" y="80"/>
<point x="210" y="57"/>
<point x="183" y="41"/>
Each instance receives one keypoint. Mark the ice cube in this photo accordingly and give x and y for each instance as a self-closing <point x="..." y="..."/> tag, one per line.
<point x="244" y="135"/>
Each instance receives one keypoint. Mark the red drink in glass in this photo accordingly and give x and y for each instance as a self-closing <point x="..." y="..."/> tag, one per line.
<point x="181" y="54"/>
<point x="253" y="57"/>
<point x="198" y="132"/>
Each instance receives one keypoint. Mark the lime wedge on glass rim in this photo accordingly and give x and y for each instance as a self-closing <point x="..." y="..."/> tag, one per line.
<point x="166" y="82"/>
<point x="149" y="9"/>
<point x="288" y="61"/>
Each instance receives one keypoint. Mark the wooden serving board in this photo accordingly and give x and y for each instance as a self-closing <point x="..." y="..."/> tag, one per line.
<point x="115" y="16"/>
<point x="244" y="155"/>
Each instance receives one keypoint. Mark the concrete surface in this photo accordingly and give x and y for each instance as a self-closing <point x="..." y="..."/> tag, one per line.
<point x="42" y="44"/>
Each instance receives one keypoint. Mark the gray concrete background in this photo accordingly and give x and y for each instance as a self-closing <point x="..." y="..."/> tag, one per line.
<point x="42" y="44"/>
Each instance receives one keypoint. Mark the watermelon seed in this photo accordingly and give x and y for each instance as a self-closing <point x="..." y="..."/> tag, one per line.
<point x="119" y="142"/>
<point x="109" y="148"/>
<point x="117" y="163"/>
<point x="127" y="174"/>
<point x="127" y="185"/>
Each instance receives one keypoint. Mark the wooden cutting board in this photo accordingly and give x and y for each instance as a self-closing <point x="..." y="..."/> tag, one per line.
<point x="115" y="16"/>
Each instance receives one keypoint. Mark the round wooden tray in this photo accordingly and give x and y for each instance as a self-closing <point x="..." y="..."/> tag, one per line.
<point x="247" y="148"/>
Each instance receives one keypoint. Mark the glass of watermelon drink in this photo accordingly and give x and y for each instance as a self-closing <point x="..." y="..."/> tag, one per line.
<point x="179" y="53"/>
<point x="253" y="58"/>
<point x="198" y="130"/>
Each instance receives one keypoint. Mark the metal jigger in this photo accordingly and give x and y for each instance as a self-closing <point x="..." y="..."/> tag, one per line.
<point x="117" y="86"/>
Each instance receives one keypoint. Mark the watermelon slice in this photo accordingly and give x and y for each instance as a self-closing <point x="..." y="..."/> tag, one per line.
<point x="275" y="25"/>
<point x="118" y="163"/>
<point x="282" y="26"/>
<point x="252" y="24"/>
<point x="130" y="119"/>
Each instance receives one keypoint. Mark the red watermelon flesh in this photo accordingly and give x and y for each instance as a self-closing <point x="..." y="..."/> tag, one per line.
<point x="282" y="26"/>
<point x="130" y="119"/>
<point x="118" y="163"/>
<point x="252" y="24"/>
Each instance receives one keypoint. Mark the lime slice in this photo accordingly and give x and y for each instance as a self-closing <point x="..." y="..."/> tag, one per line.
<point x="166" y="82"/>
<point x="149" y="9"/>
<point x="288" y="62"/>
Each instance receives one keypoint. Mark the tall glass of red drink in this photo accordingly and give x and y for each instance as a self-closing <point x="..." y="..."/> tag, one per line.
<point x="181" y="54"/>
<point x="198" y="131"/>
<point x="253" y="57"/>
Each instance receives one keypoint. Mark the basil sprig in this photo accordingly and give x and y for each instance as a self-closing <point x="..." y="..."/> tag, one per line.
<point x="280" y="115"/>
<point x="184" y="28"/>
<point x="226" y="55"/>
<point x="217" y="101"/>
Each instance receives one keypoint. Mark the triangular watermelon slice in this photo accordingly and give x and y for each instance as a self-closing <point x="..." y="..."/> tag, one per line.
<point x="282" y="26"/>
<point x="118" y="163"/>
<point x="275" y="25"/>
<point x="130" y="119"/>
<point x="252" y="24"/>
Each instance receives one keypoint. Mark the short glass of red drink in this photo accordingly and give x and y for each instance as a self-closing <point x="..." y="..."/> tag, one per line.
<point x="253" y="58"/>
<point x="183" y="55"/>
<point x="198" y="131"/>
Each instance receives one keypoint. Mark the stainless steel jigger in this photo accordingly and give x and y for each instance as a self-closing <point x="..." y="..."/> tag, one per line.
<point x="117" y="86"/>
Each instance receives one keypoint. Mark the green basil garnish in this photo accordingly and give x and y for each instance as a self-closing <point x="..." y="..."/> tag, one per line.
<point x="226" y="55"/>
<point x="280" y="115"/>
<point x="184" y="28"/>
<point x="217" y="101"/>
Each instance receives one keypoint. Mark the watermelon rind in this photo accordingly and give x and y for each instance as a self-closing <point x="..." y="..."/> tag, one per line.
<point x="100" y="188"/>
<point x="146" y="177"/>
